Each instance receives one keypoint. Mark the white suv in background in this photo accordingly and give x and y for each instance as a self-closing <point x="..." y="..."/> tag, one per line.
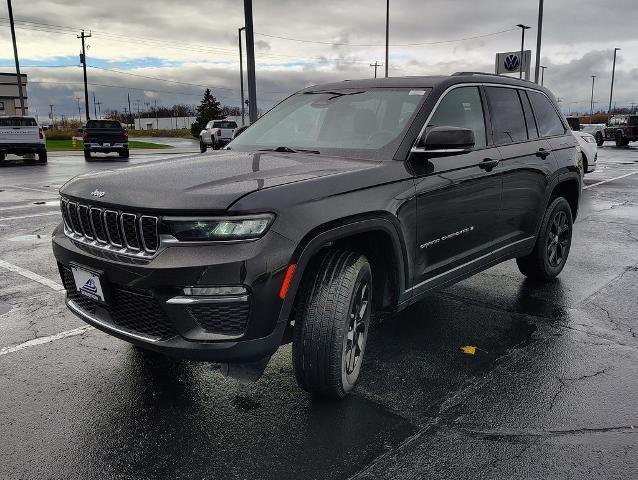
<point x="22" y="136"/>
<point x="589" y="149"/>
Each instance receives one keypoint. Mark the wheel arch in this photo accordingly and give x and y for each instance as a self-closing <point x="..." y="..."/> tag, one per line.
<point x="568" y="187"/>
<point x="375" y="237"/>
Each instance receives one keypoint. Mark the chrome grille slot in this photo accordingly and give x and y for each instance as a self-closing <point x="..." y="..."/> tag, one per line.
<point x="113" y="228"/>
<point x="129" y="228"/>
<point x="125" y="233"/>
<point x="149" y="234"/>
<point x="98" y="224"/>
<point x="85" y="222"/>
<point x="75" y="218"/>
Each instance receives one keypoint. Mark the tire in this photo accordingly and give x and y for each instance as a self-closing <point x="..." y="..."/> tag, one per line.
<point x="599" y="139"/>
<point x="542" y="264"/>
<point x="2" y="157"/>
<point x="215" y="145"/>
<point x="619" y="139"/>
<point x="124" y="154"/>
<point x="625" y="142"/>
<point x="87" y="155"/>
<point x="42" y="156"/>
<point x="202" y="146"/>
<point x="333" y="316"/>
<point x="585" y="164"/>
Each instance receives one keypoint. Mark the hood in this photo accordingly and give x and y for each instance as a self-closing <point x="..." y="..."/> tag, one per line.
<point x="205" y="182"/>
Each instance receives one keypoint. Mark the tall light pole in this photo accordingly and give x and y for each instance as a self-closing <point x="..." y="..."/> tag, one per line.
<point x="387" y="35"/>
<point x="542" y="67"/>
<point x="539" y="33"/>
<point x="15" y="55"/>
<point x="250" y="61"/>
<point x="591" y="103"/>
<point x="613" y="72"/>
<point x="241" y="77"/>
<point x="522" y="60"/>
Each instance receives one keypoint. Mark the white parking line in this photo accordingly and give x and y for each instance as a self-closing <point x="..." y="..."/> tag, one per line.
<point x="31" y="275"/>
<point x="32" y="189"/>
<point x="609" y="180"/>
<point x="55" y="212"/>
<point x="42" y="340"/>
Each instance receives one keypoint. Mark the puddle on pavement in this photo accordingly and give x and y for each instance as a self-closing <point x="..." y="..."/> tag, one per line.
<point x="4" y="308"/>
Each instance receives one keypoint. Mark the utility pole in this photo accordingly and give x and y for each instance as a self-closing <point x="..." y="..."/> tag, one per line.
<point x="542" y="75"/>
<point x="156" y="116"/>
<point x="387" y="35"/>
<point x="94" y="105"/>
<point x="130" y="112"/>
<point x="15" y="55"/>
<point x="632" y="107"/>
<point x="51" y="114"/>
<point x="376" y="65"/>
<point x="591" y="104"/>
<point x="241" y="77"/>
<point x="83" y="62"/>
<point x="522" y="59"/>
<point x="139" y="118"/>
<point x="613" y="72"/>
<point x="99" y="109"/>
<point x="79" y="109"/>
<point x="539" y="34"/>
<point x="250" y="61"/>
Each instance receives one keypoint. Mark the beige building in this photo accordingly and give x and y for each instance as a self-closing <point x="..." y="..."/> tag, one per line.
<point x="9" y="96"/>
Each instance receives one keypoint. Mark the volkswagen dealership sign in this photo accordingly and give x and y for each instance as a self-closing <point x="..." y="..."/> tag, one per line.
<point x="510" y="62"/>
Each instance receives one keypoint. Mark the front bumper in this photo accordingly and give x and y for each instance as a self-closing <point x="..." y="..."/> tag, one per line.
<point x="146" y="305"/>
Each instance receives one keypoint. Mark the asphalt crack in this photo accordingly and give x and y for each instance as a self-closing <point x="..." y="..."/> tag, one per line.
<point x="564" y="382"/>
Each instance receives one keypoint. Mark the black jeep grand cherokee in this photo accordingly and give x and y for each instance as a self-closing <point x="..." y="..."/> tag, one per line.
<point x="344" y="198"/>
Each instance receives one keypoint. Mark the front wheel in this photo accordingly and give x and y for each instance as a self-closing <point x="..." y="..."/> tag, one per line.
<point x="619" y="139"/>
<point x="599" y="139"/>
<point x="552" y="245"/>
<point x="42" y="156"/>
<point x="331" y="327"/>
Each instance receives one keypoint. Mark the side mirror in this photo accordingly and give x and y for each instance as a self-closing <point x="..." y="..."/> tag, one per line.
<point x="444" y="141"/>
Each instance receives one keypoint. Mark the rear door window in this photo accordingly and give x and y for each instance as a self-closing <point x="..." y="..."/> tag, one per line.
<point x="462" y="107"/>
<point x="507" y="115"/>
<point x="532" y="131"/>
<point x="549" y="123"/>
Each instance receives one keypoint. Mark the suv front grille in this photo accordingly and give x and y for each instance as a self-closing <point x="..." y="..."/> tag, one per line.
<point x="133" y="310"/>
<point x="222" y="318"/>
<point x="123" y="232"/>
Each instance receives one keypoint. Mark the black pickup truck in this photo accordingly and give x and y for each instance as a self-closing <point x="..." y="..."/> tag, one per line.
<point x="344" y="199"/>
<point x="105" y="136"/>
<point x="621" y="129"/>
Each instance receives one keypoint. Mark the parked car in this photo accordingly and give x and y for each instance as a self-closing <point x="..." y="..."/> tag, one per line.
<point x="595" y="129"/>
<point x="622" y="129"/>
<point x="345" y="198"/>
<point x="217" y="134"/>
<point x="105" y="136"/>
<point x="589" y="150"/>
<point x="22" y="136"/>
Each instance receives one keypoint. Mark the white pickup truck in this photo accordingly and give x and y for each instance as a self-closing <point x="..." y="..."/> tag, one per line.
<point x="22" y="136"/>
<point x="216" y="134"/>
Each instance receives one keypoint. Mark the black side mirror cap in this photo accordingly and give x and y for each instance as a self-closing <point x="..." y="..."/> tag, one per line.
<point x="444" y="141"/>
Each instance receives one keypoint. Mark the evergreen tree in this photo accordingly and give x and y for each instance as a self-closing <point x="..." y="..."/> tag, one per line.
<point x="209" y="109"/>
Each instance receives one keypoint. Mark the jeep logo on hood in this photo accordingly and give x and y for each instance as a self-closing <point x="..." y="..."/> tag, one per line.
<point x="97" y="193"/>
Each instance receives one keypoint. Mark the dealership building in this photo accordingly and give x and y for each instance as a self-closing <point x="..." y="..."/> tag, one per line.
<point x="9" y="94"/>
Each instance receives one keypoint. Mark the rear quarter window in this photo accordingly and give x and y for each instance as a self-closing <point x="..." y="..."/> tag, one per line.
<point x="547" y="119"/>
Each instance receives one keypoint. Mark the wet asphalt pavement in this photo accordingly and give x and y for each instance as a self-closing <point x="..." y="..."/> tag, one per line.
<point x="552" y="391"/>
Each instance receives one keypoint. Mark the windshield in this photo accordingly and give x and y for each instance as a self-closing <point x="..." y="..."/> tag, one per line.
<point x="355" y="122"/>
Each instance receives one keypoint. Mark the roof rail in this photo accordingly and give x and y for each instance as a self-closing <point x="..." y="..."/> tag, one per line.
<point x="456" y="74"/>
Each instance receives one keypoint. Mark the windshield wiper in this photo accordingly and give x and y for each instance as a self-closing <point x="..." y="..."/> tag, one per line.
<point x="334" y="94"/>
<point x="284" y="149"/>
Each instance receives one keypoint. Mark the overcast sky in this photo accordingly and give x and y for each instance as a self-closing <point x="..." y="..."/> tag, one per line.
<point x="195" y="42"/>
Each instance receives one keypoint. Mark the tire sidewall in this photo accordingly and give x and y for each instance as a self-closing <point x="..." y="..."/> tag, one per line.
<point x="348" y="381"/>
<point x="559" y="204"/>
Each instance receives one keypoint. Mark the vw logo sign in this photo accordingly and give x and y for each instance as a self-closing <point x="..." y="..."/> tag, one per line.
<point x="511" y="62"/>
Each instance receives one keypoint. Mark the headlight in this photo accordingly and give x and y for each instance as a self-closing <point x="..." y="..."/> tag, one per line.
<point x="589" y="139"/>
<point x="223" y="228"/>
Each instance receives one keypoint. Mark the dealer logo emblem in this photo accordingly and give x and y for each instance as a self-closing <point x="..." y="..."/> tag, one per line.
<point x="98" y="193"/>
<point x="511" y="62"/>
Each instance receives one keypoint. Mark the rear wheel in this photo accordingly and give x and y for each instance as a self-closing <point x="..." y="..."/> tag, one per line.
<point x="42" y="156"/>
<point x="619" y="139"/>
<point x="2" y="156"/>
<point x="552" y="245"/>
<point x="87" y="155"/>
<point x="202" y="146"/>
<point x="625" y="142"/>
<point x="599" y="139"/>
<point x="124" y="154"/>
<point x="332" y="324"/>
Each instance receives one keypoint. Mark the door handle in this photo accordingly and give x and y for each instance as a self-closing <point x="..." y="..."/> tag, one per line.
<point x="542" y="153"/>
<point x="488" y="164"/>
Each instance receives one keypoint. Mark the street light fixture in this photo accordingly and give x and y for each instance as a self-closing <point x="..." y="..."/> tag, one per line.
<point x="613" y="72"/>
<point x="523" y="28"/>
